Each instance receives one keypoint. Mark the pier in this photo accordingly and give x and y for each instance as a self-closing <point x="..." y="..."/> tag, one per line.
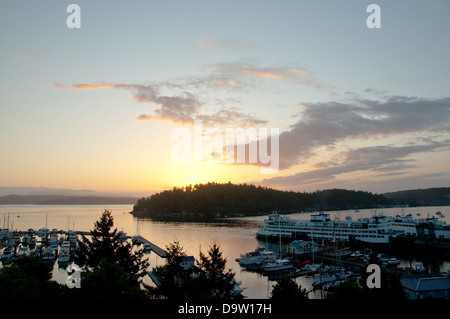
<point x="156" y="249"/>
<point x="136" y="239"/>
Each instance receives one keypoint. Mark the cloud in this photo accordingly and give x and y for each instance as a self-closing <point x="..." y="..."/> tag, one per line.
<point x="387" y="159"/>
<point x="233" y="115"/>
<point x="181" y="107"/>
<point x="285" y="74"/>
<point x="81" y="87"/>
<point x="183" y="101"/>
<point x="417" y="125"/>
<point x="326" y="124"/>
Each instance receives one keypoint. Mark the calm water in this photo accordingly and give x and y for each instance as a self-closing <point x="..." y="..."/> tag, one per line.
<point x="235" y="236"/>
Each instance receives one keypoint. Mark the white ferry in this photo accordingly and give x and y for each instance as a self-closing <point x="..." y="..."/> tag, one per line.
<point x="375" y="230"/>
<point x="409" y="225"/>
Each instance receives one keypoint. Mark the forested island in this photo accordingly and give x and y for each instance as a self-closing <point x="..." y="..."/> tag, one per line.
<point x="214" y="200"/>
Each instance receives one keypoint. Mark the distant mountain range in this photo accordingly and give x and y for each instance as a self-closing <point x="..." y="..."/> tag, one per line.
<point x="59" y="196"/>
<point x="65" y="200"/>
<point x="29" y="190"/>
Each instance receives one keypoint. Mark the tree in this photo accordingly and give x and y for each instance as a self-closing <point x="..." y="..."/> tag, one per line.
<point x="207" y="280"/>
<point x="347" y="290"/>
<point x="216" y="282"/>
<point x="171" y="275"/>
<point x="391" y="288"/>
<point x="287" y="289"/>
<point x="105" y="249"/>
<point x="28" y="278"/>
<point x="110" y="281"/>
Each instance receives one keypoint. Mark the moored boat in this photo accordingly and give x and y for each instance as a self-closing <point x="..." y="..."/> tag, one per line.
<point x="7" y="255"/>
<point x="418" y="267"/>
<point x="258" y="256"/>
<point x="48" y="255"/>
<point x="277" y="265"/>
<point x="64" y="254"/>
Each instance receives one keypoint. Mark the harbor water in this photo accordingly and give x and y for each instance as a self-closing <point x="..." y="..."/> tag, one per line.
<point x="235" y="236"/>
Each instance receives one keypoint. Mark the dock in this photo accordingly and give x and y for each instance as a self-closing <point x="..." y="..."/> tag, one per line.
<point x="156" y="249"/>
<point x="137" y="239"/>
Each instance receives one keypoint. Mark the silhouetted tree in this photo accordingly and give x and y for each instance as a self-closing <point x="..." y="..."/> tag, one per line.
<point x="104" y="248"/>
<point x="172" y="276"/>
<point x="287" y="289"/>
<point x="216" y="282"/>
<point x="207" y="280"/>
<point x="28" y="278"/>
<point x="110" y="281"/>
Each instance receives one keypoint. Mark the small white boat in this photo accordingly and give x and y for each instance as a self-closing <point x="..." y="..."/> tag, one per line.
<point x="64" y="256"/>
<point x="257" y="256"/>
<point x="325" y="278"/>
<point x="393" y="261"/>
<point x="277" y="265"/>
<point x="7" y="255"/>
<point x="54" y="242"/>
<point x="25" y="240"/>
<point x="43" y="232"/>
<point x="32" y="242"/>
<point x="48" y="255"/>
<point x="72" y="238"/>
<point x="312" y="267"/>
<point x="418" y="267"/>
<point x="23" y="251"/>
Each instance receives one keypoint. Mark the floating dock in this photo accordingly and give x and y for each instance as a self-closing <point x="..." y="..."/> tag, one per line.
<point x="156" y="249"/>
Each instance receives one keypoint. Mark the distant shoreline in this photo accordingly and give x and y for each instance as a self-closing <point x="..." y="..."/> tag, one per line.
<point x="65" y="200"/>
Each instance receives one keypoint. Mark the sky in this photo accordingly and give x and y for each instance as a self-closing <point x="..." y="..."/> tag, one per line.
<point x="121" y="103"/>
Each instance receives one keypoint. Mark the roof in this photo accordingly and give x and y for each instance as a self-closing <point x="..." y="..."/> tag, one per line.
<point x="188" y="258"/>
<point x="426" y="282"/>
<point x="302" y="243"/>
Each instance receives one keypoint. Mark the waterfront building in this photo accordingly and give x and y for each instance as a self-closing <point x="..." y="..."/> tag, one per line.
<point x="421" y="286"/>
<point x="299" y="247"/>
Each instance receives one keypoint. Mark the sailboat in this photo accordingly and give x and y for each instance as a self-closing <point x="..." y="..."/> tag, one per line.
<point x="278" y="264"/>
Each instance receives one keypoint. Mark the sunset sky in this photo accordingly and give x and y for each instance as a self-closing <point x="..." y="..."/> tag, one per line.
<point x="97" y="107"/>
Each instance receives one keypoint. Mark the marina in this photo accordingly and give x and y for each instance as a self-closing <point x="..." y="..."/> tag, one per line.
<point x="235" y="236"/>
<point x="56" y="245"/>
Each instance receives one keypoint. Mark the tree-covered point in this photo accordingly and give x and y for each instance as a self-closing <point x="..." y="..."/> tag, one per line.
<point x="217" y="200"/>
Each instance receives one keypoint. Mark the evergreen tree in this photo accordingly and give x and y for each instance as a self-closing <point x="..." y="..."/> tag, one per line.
<point x="287" y="289"/>
<point x="215" y="280"/>
<point x="104" y="246"/>
<point x="171" y="275"/>
<point x="207" y="280"/>
<point x="28" y="278"/>
<point x="109" y="281"/>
